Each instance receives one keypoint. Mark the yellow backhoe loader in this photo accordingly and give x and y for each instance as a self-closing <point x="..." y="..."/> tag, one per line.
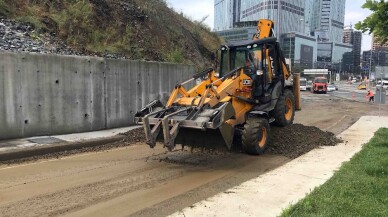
<point x="250" y="88"/>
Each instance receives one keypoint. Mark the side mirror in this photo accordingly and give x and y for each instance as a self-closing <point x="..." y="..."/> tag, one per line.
<point x="213" y="56"/>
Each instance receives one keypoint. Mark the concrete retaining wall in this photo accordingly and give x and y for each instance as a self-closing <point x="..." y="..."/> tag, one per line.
<point x="51" y="94"/>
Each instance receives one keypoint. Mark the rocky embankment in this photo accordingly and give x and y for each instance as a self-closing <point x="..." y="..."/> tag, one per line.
<point x="19" y="37"/>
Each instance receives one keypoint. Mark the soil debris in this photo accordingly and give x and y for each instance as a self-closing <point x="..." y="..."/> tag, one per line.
<point x="291" y="141"/>
<point x="297" y="139"/>
<point x="134" y="136"/>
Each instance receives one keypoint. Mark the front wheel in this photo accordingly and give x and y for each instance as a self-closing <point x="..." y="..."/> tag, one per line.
<point x="255" y="136"/>
<point x="284" y="110"/>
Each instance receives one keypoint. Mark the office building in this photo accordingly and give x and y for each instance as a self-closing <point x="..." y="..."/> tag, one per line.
<point x="327" y="20"/>
<point x="297" y="22"/>
<point x="239" y="33"/>
<point x="301" y="49"/>
<point x="226" y="13"/>
<point x="354" y="38"/>
<point x="331" y="54"/>
<point x="347" y="64"/>
<point x="379" y="61"/>
<point x="288" y="16"/>
<point x="376" y="45"/>
<point x="379" y="58"/>
<point x="323" y="19"/>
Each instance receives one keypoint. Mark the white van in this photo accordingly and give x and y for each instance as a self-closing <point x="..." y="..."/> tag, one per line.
<point x="303" y="84"/>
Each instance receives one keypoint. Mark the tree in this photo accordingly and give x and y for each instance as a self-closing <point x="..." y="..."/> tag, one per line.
<point x="377" y="22"/>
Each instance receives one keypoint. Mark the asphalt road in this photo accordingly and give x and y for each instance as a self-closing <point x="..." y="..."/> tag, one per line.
<point x="350" y="91"/>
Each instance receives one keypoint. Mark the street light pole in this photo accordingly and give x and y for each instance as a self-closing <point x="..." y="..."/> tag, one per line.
<point x="289" y="55"/>
<point x="340" y="68"/>
<point x="370" y="68"/>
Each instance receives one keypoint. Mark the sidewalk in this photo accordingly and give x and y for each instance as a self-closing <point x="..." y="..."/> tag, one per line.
<point x="271" y="193"/>
<point x="15" y="145"/>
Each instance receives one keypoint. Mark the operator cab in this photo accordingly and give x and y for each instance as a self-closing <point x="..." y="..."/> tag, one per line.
<point x="259" y="58"/>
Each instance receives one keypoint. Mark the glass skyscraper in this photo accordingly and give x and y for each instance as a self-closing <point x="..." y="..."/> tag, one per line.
<point x="288" y="16"/>
<point x="309" y="31"/>
<point x="226" y="13"/>
<point x="323" y="19"/>
<point x="328" y="19"/>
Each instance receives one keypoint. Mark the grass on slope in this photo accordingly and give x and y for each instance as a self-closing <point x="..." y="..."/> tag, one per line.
<point x="137" y="29"/>
<point x="359" y="188"/>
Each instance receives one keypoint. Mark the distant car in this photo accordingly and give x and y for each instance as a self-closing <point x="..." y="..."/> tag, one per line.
<point x="331" y="88"/>
<point x="362" y="86"/>
<point x="303" y="84"/>
<point x="385" y="85"/>
<point x="319" y="85"/>
<point x="309" y="85"/>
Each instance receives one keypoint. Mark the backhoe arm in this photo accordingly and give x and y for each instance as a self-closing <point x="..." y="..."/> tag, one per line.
<point x="265" y="29"/>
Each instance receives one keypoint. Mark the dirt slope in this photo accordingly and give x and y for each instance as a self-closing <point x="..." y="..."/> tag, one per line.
<point x="134" y="29"/>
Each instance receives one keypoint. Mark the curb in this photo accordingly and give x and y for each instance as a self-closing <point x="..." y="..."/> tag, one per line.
<point x="56" y="148"/>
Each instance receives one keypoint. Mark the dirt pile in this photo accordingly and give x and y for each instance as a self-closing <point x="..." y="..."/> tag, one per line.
<point x="294" y="140"/>
<point x="291" y="141"/>
<point x="134" y="136"/>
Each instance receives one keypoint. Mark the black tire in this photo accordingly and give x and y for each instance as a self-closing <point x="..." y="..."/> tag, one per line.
<point x="255" y="136"/>
<point x="284" y="110"/>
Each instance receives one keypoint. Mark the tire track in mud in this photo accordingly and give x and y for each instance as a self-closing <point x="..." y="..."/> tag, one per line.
<point x="141" y="172"/>
<point x="85" y="195"/>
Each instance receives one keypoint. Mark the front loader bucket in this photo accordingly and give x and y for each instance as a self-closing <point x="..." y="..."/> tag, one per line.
<point x="206" y="128"/>
<point x="211" y="139"/>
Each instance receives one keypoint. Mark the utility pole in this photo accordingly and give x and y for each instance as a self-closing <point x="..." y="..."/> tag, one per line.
<point x="339" y="82"/>
<point x="381" y="90"/>
<point x="289" y="54"/>
<point x="370" y="68"/>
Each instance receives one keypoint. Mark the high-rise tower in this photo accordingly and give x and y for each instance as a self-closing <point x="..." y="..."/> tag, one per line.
<point x="327" y="21"/>
<point x="354" y="38"/>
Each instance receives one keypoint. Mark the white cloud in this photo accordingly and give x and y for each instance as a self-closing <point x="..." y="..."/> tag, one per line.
<point x="353" y="14"/>
<point x="196" y="10"/>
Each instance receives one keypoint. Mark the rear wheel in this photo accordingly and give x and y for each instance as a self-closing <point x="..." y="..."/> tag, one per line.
<point x="255" y="136"/>
<point x="284" y="110"/>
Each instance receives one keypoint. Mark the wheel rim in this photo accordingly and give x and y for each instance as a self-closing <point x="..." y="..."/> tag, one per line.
<point x="263" y="139"/>
<point x="288" y="112"/>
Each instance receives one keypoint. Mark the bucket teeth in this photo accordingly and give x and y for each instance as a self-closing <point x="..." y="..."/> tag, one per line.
<point x="170" y="135"/>
<point x="151" y="134"/>
<point x="188" y="127"/>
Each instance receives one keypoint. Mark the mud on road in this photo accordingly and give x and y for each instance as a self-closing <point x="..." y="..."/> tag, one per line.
<point x="291" y="141"/>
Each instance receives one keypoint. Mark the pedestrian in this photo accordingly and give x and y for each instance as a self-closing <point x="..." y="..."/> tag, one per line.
<point x="371" y="96"/>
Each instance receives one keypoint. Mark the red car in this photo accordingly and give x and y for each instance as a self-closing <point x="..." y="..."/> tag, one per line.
<point x="320" y="85"/>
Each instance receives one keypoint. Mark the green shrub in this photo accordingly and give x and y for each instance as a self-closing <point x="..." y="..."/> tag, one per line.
<point x="175" y="56"/>
<point x="75" y="23"/>
<point x="4" y="9"/>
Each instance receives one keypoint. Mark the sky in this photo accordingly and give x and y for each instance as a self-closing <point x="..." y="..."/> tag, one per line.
<point x="198" y="9"/>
